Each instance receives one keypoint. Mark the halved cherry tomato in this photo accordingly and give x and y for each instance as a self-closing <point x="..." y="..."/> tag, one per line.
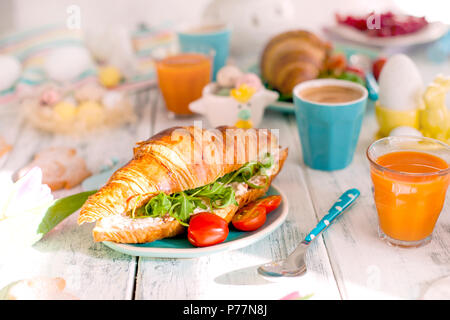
<point x="377" y="66"/>
<point x="358" y="71"/>
<point x="206" y="229"/>
<point x="270" y="203"/>
<point x="250" y="217"/>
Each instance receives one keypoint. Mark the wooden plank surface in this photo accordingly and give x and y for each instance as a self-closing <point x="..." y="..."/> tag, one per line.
<point x="91" y="270"/>
<point x="232" y="275"/>
<point x="366" y="267"/>
<point x="348" y="261"/>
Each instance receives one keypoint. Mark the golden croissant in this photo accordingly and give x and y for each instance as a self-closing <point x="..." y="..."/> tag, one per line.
<point x="177" y="160"/>
<point x="292" y="57"/>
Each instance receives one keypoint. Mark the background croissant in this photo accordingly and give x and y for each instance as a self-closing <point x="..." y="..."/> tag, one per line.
<point x="293" y="57"/>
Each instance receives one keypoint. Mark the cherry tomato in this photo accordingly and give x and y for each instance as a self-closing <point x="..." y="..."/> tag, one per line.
<point x="250" y="217"/>
<point x="270" y="203"/>
<point x="336" y="63"/>
<point x="206" y="229"/>
<point x="377" y="66"/>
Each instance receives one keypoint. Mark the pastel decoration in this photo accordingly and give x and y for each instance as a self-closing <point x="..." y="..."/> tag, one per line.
<point x="109" y="76"/>
<point x="89" y="91"/>
<point x="10" y="71"/>
<point x="249" y="79"/>
<point x="243" y="93"/>
<point x="65" y="110"/>
<point x="223" y="92"/>
<point x="112" y="99"/>
<point x="91" y="113"/>
<point x="50" y="96"/>
<point x="244" y="107"/>
<point x="113" y="45"/>
<point x="405" y="131"/>
<point x="243" y="124"/>
<point x="227" y="76"/>
<point x="66" y="64"/>
<point x="435" y="117"/>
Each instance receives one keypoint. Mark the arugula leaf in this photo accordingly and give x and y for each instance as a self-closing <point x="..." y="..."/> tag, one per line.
<point x="159" y="205"/>
<point x="216" y="195"/>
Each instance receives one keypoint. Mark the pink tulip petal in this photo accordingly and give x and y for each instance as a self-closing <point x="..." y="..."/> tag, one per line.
<point x="291" y="296"/>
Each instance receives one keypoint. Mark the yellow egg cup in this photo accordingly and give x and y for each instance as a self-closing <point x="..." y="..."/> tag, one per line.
<point x="390" y="119"/>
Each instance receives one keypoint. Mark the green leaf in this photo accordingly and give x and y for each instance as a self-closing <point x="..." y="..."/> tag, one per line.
<point x="218" y="194"/>
<point x="158" y="205"/>
<point x="186" y="207"/>
<point x="61" y="209"/>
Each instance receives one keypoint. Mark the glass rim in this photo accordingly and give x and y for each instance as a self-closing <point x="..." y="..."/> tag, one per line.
<point x="380" y="167"/>
<point x="166" y="63"/>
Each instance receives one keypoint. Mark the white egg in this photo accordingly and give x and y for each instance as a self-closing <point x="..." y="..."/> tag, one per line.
<point x="11" y="70"/>
<point x="67" y="63"/>
<point x="400" y="84"/>
<point x="405" y="131"/>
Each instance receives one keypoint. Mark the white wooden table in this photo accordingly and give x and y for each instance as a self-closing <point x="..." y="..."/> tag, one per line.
<point x="347" y="262"/>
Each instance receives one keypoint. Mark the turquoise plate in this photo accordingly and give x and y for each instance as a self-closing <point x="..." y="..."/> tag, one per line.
<point x="180" y="247"/>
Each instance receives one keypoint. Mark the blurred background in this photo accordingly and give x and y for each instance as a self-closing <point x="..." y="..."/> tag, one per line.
<point x="281" y="14"/>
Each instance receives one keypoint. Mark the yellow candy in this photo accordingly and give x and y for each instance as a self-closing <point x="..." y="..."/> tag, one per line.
<point x="65" y="110"/>
<point x="91" y="113"/>
<point x="243" y="93"/>
<point x="109" y="76"/>
<point x="244" y="124"/>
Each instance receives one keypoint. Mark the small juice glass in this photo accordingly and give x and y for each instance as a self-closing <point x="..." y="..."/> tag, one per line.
<point x="181" y="79"/>
<point x="410" y="178"/>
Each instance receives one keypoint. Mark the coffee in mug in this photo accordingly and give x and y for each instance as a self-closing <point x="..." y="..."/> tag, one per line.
<point x="330" y="94"/>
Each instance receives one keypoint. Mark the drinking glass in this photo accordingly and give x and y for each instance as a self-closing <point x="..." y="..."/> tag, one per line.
<point x="182" y="77"/>
<point x="409" y="193"/>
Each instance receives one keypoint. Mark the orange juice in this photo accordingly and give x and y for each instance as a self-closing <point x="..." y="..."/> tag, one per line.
<point x="181" y="79"/>
<point x="409" y="192"/>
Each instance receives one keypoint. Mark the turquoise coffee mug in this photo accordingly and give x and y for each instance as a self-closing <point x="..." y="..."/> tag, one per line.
<point x="216" y="37"/>
<point x="329" y="132"/>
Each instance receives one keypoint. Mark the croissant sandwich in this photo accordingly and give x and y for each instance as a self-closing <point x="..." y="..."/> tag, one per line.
<point x="179" y="172"/>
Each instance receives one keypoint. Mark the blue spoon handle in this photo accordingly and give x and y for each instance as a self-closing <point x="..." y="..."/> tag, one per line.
<point x="347" y="198"/>
<point x="372" y="86"/>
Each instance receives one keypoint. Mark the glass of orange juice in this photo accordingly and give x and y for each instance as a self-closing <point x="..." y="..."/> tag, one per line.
<point x="182" y="77"/>
<point x="410" y="178"/>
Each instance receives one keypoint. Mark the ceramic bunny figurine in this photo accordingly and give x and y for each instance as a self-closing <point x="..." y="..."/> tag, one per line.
<point x="243" y="108"/>
<point x="435" y="118"/>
